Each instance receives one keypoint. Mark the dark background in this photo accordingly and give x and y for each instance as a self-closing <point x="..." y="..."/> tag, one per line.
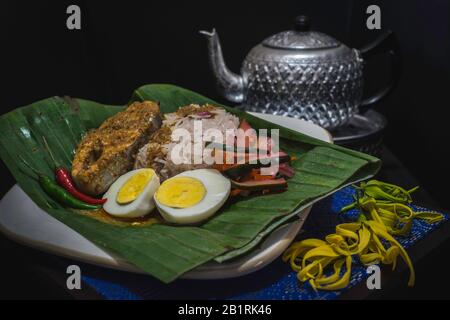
<point x="125" y="44"/>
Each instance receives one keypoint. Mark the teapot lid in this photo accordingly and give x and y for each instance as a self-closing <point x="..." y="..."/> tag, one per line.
<point x="301" y="38"/>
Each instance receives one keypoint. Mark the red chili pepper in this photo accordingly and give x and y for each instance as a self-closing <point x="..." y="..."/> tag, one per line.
<point x="64" y="179"/>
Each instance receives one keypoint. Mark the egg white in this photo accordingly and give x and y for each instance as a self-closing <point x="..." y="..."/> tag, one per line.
<point x="141" y="206"/>
<point x="217" y="191"/>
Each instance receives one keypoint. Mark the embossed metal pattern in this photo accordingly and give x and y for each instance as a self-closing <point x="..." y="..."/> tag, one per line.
<point x="301" y="40"/>
<point x="327" y="94"/>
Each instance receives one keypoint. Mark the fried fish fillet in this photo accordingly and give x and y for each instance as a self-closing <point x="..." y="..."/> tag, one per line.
<point x="106" y="153"/>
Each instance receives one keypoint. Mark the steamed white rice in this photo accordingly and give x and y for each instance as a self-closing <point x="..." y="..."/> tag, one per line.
<point x="220" y="120"/>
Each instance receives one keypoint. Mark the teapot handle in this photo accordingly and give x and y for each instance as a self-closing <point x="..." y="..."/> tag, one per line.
<point x="386" y="43"/>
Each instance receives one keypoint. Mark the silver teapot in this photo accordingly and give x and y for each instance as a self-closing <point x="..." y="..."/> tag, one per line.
<point x="303" y="74"/>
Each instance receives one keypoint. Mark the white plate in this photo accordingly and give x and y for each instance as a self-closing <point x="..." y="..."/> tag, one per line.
<point x="23" y="221"/>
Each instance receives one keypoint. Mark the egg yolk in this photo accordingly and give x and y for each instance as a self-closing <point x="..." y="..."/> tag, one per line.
<point x="134" y="186"/>
<point x="181" y="192"/>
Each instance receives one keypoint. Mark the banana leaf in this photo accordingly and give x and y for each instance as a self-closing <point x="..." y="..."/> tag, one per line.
<point x="165" y="251"/>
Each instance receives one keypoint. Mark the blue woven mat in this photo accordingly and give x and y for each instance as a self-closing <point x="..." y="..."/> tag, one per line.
<point x="276" y="281"/>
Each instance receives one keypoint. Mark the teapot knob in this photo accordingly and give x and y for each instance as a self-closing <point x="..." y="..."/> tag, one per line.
<point x="301" y="23"/>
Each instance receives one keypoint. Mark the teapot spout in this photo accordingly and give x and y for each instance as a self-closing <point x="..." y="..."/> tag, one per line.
<point x="230" y="85"/>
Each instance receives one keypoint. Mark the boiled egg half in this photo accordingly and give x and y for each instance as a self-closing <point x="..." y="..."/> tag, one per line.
<point x="131" y="195"/>
<point x="192" y="196"/>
